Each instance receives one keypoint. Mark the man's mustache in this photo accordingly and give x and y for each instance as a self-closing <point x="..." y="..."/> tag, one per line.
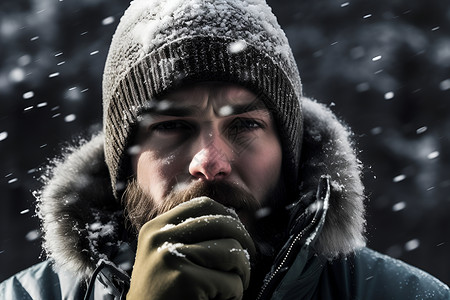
<point x="228" y="194"/>
<point x="141" y="207"/>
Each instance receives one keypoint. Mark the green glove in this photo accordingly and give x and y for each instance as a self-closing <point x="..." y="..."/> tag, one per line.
<point x="197" y="250"/>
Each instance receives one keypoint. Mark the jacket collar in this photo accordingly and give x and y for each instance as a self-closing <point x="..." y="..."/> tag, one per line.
<point x="327" y="150"/>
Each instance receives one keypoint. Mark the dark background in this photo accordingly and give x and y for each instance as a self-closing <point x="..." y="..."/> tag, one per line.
<point x="382" y="66"/>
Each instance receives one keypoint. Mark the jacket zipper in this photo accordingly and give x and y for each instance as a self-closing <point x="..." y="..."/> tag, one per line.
<point x="297" y="238"/>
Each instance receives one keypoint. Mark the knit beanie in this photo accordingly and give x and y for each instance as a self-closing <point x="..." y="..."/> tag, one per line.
<point x="160" y="45"/>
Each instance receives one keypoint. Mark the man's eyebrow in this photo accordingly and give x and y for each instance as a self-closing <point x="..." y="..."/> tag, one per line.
<point x="161" y="109"/>
<point x="238" y="109"/>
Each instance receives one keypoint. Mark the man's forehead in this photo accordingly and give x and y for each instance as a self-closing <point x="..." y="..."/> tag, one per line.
<point x="224" y="98"/>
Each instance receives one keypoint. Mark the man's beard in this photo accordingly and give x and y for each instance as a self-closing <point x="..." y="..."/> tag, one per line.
<point x="266" y="225"/>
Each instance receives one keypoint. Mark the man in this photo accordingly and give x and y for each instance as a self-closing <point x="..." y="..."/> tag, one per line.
<point x="213" y="178"/>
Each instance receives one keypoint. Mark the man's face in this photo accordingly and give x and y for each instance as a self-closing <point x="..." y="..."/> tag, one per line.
<point x="210" y="132"/>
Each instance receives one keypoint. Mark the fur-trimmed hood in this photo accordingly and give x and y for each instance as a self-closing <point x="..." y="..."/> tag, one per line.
<point x="82" y="221"/>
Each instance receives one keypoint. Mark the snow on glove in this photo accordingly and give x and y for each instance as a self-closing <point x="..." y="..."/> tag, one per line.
<point x="197" y="250"/>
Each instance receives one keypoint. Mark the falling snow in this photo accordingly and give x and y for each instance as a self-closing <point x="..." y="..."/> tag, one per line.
<point x="28" y="95"/>
<point x="134" y="150"/>
<point x="53" y="75"/>
<point x="421" y="129"/>
<point x="445" y="85"/>
<point x="70" y="118"/>
<point x="32" y="235"/>
<point x="263" y="212"/>
<point x="17" y="74"/>
<point x="433" y="155"/>
<point x="399" y="206"/>
<point x="363" y="87"/>
<point x="13" y="180"/>
<point x="412" y="245"/>
<point x="377" y="58"/>
<point x="376" y="130"/>
<point x="389" y="95"/>
<point x="399" y="178"/>
<point x="3" y="135"/>
<point x="225" y="110"/>
<point x="108" y="21"/>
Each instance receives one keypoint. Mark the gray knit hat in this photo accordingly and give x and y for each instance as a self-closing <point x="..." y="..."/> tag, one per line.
<point x="160" y="45"/>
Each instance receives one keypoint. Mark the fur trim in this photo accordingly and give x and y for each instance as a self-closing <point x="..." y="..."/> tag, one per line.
<point x="80" y="217"/>
<point x="327" y="150"/>
<point x="82" y="221"/>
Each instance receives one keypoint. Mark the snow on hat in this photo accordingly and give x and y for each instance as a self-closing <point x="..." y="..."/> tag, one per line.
<point x="160" y="45"/>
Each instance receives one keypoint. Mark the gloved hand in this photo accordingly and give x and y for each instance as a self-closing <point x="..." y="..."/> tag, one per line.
<point x="197" y="250"/>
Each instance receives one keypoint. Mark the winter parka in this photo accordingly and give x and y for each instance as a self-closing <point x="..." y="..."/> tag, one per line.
<point x="90" y="257"/>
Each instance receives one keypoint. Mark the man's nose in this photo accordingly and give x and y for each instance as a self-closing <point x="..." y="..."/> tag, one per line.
<point x="211" y="162"/>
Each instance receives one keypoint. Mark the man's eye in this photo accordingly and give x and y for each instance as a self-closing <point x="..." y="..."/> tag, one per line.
<point x="170" y="126"/>
<point x="241" y="132"/>
<point x="241" y="124"/>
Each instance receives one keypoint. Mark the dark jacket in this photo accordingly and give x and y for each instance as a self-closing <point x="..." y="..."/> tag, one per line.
<point x="324" y="257"/>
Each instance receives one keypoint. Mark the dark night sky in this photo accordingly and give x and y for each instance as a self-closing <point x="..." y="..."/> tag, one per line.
<point x="382" y="66"/>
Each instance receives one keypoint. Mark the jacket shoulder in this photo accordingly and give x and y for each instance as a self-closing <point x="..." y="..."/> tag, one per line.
<point x="378" y="276"/>
<point x="369" y="275"/>
<point x="40" y="281"/>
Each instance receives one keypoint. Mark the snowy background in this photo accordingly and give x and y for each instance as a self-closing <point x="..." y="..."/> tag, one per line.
<point x="383" y="66"/>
